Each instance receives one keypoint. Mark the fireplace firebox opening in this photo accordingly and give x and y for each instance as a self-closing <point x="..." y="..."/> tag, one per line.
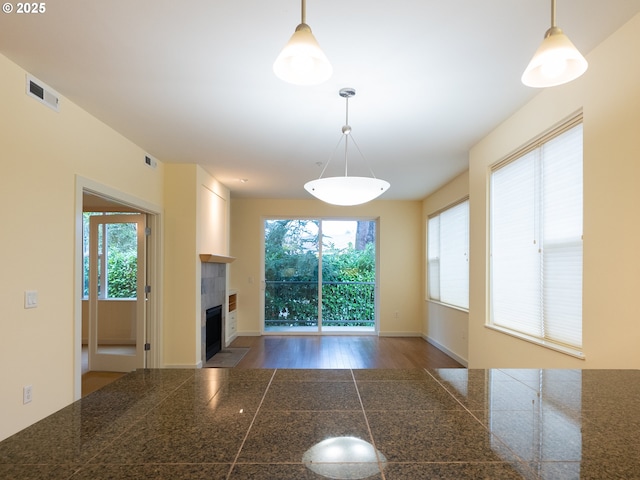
<point x="214" y="331"/>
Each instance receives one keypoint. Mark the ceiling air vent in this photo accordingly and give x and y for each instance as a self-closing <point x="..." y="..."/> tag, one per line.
<point x="43" y="93"/>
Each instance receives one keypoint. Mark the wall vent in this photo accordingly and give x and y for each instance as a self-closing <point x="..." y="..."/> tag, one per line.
<point x="43" y="93"/>
<point x="150" y="161"/>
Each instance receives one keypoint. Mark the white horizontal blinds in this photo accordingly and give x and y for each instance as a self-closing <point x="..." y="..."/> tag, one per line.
<point x="433" y="255"/>
<point x="562" y="237"/>
<point x="536" y="241"/>
<point x="448" y="255"/>
<point x="515" y="263"/>
<point x="454" y="255"/>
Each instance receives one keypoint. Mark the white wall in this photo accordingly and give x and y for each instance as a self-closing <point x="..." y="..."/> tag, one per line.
<point x="400" y="254"/>
<point x="609" y="94"/>
<point x="41" y="154"/>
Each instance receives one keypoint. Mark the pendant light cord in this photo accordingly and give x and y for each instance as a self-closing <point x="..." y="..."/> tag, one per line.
<point x="346" y="138"/>
<point x="346" y="133"/>
<point x="346" y="141"/>
<point x="304" y="11"/>
<point x="346" y="117"/>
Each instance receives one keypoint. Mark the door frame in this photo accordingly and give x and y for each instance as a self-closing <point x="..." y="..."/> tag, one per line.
<point x="320" y="332"/>
<point x="116" y="362"/>
<point x="154" y="272"/>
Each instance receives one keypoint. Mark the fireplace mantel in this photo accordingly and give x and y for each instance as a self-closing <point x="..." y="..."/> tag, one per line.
<point x="210" y="258"/>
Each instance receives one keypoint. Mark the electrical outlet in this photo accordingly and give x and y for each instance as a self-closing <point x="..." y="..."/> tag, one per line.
<point x="27" y="394"/>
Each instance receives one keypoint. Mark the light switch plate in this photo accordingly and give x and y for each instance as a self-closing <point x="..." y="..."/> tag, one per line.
<point x="30" y="299"/>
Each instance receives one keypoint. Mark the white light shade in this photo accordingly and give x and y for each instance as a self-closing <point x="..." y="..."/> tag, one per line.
<point x="345" y="190"/>
<point x="556" y="61"/>
<point x="344" y="458"/>
<point x="301" y="61"/>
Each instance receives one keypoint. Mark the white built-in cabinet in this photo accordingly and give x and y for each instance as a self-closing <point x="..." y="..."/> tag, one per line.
<point x="232" y="319"/>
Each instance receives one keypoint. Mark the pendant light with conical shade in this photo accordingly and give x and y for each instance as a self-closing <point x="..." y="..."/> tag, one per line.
<point x="302" y="61"/>
<point x="556" y="61"/>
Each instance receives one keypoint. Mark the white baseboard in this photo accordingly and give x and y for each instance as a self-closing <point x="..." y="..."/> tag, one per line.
<point x="399" y="334"/>
<point x="231" y="339"/>
<point x="112" y="341"/>
<point x="249" y="334"/>
<point x="444" y="349"/>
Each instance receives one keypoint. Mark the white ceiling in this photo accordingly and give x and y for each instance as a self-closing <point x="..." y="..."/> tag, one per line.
<point x="191" y="80"/>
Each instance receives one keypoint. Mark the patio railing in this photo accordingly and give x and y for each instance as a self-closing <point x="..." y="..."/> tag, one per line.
<point x="295" y="303"/>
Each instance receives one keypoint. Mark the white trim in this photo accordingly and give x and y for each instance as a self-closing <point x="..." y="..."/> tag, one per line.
<point x="314" y="333"/>
<point x="444" y="349"/>
<point x="399" y="334"/>
<point x="154" y="211"/>
<point x="448" y="305"/>
<point x="567" y="350"/>
<point x="448" y="206"/>
<point x="558" y="129"/>
<point x="249" y="334"/>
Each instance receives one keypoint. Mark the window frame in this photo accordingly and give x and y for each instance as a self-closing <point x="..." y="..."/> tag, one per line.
<point x="437" y="260"/>
<point x="531" y="147"/>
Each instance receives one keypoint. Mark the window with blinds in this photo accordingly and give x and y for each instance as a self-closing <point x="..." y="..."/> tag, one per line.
<point x="536" y="240"/>
<point x="448" y="255"/>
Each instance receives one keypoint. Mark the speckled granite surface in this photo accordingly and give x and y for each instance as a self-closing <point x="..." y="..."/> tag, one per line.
<point x="313" y="424"/>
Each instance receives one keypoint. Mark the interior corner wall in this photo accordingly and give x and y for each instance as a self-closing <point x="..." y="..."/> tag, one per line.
<point x="443" y="326"/>
<point x="400" y="289"/>
<point x="609" y="94"/>
<point x="181" y="289"/>
<point x="191" y="224"/>
<point x="42" y="153"/>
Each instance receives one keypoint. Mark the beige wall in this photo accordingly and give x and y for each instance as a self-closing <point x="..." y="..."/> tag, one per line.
<point x="196" y="212"/>
<point x="609" y="94"/>
<point x="400" y="254"/>
<point x="41" y="153"/>
<point x="443" y="326"/>
<point x="116" y="324"/>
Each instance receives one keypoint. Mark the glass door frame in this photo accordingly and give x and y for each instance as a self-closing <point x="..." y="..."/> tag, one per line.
<point x="320" y="330"/>
<point x="115" y="361"/>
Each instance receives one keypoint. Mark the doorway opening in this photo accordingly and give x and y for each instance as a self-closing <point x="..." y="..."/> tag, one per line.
<point x="116" y="313"/>
<point x="116" y="277"/>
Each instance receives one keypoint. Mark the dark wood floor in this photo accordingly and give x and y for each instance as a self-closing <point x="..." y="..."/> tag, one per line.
<point x="284" y="351"/>
<point x="341" y="352"/>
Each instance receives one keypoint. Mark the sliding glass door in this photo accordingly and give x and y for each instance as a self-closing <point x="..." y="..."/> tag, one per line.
<point x="291" y="266"/>
<point x="320" y="275"/>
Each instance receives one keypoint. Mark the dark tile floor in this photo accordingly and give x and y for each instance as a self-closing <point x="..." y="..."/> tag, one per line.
<point x="340" y="424"/>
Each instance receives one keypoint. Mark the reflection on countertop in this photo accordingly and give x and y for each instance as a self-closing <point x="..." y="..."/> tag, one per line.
<point x="409" y="424"/>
